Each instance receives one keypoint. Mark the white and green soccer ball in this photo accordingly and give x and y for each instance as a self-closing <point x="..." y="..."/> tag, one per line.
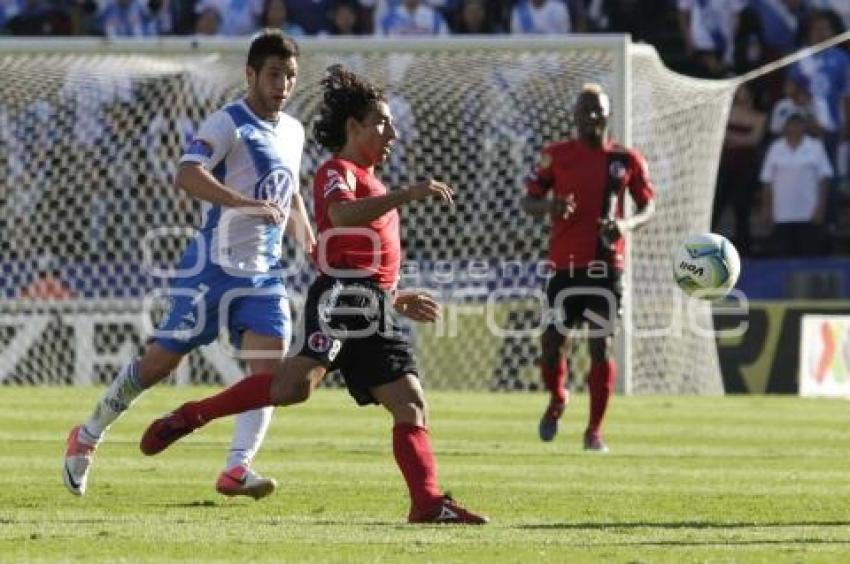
<point x="706" y="266"/>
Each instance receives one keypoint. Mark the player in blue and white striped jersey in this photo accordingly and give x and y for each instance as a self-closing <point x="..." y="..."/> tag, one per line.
<point x="243" y="164"/>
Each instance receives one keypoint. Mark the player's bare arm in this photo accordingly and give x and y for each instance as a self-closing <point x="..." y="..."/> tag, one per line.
<point x="554" y="207"/>
<point x="613" y="229"/>
<point x="363" y="210"/>
<point x="417" y="305"/>
<point x="199" y="183"/>
<point x="299" y="226"/>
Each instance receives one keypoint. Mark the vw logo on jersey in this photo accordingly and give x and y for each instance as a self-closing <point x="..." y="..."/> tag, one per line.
<point x="275" y="186"/>
<point x="617" y="170"/>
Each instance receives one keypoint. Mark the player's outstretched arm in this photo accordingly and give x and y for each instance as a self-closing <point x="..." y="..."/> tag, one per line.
<point x="199" y="183"/>
<point x="352" y="213"/>
<point x="298" y="226"/>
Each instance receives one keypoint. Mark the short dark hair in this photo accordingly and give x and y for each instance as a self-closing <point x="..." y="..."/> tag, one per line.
<point x="270" y="43"/>
<point x="345" y="95"/>
<point x="829" y="16"/>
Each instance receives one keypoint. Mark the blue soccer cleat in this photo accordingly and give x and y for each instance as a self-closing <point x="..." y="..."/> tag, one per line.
<point x="548" y="427"/>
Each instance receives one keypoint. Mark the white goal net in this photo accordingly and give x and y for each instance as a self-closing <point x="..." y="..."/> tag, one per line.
<point x="90" y="135"/>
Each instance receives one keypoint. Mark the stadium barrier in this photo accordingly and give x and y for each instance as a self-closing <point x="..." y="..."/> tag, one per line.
<point x="767" y="358"/>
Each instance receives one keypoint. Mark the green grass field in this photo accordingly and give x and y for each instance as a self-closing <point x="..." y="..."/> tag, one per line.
<point x="751" y="479"/>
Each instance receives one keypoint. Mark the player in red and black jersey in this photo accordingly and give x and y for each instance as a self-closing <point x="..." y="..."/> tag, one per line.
<point x="581" y="185"/>
<point x="351" y="312"/>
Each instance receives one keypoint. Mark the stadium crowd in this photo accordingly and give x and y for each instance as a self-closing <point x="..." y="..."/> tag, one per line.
<point x="770" y="200"/>
<point x="121" y="18"/>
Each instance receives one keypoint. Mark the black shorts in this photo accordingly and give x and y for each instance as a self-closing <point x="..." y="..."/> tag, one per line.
<point x="350" y="325"/>
<point x="583" y="296"/>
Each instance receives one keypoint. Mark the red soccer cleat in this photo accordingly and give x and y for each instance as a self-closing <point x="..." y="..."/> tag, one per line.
<point x="162" y="432"/>
<point x="447" y="511"/>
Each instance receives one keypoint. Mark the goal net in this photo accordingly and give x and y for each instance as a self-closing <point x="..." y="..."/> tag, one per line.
<point x="90" y="135"/>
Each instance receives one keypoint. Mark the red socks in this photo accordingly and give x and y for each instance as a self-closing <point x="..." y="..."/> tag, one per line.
<point x="600" y="382"/>
<point x="415" y="459"/>
<point x="555" y="380"/>
<point x="249" y="393"/>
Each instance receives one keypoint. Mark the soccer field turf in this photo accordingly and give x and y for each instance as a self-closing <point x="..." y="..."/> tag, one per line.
<point x="757" y="479"/>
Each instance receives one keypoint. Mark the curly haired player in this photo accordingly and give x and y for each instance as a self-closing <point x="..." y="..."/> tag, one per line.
<point x="351" y="310"/>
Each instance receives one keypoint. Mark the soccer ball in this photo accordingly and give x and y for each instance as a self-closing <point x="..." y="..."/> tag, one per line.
<point x="706" y="266"/>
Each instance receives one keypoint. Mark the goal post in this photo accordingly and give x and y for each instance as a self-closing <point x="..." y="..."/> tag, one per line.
<point x="91" y="131"/>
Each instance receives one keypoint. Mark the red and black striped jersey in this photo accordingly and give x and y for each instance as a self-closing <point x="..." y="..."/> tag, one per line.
<point x="598" y="178"/>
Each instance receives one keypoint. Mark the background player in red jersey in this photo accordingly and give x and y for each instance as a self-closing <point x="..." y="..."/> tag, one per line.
<point x="351" y="309"/>
<point x="588" y="178"/>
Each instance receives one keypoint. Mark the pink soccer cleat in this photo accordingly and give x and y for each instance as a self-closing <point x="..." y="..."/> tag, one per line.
<point x="78" y="459"/>
<point x="241" y="480"/>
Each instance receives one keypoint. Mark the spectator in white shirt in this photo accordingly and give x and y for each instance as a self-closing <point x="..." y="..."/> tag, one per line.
<point x="541" y="16"/>
<point x="796" y="175"/>
<point x="412" y="17"/>
<point x="126" y="18"/>
<point x="239" y="17"/>
<point x="799" y="99"/>
<point x="380" y="8"/>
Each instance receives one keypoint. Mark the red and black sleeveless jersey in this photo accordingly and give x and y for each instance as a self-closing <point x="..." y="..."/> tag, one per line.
<point x="598" y="179"/>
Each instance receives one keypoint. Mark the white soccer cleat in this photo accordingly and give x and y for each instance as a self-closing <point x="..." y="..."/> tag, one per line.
<point x="78" y="459"/>
<point x="241" y="480"/>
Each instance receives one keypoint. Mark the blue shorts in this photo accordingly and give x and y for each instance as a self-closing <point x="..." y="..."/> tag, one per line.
<point x="204" y="304"/>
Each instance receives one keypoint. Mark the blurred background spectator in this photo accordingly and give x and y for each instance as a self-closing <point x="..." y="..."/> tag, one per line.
<point x="126" y="18"/>
<point x="40" y="17"/>
<point x="796" y="176"/>
<point x="827" y="72"/>
<point x="238" y="17"/>
<point x="275" y="15"/>
<point x="779" y="24"/>
<point x="411" y="17"/>
<point x="208" y="20"/>
<point x="798" y="99"/>
<point x="344" y="19"/>
<point x="310" y="15"/>
<point x="473" y="17"/>
<point x="737" y="179"/>
<point x="709" y="28"/>
<point x="547" y="16"/>
<point x="840" y="7"/>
